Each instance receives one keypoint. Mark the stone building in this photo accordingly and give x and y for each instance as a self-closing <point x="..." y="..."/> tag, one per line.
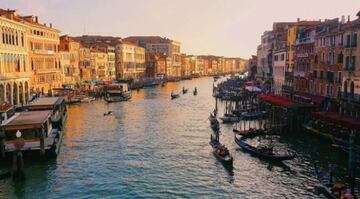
<point x="43" y="42"/>
<point x="162" y="45"/>
<point x="69" y="60"/>
<point x="14" y="66"/>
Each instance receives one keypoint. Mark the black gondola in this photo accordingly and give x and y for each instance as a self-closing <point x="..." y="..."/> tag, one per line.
<point x="195" y="91"/>
<point x="265" y="153"/>
<point x="174" y="96"/>
<point x="184" y="90"/>
<point x="225" y="159"/>
<point x="332" y="189"/>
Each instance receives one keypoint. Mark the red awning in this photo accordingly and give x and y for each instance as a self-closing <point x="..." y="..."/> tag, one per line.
<point x="336" y="118"/>
<point x="317" y="99"/>
<point x="276" y="100"/>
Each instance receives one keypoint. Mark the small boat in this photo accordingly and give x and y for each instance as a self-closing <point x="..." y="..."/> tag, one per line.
<point x="117" y="92"/>
<point x="195" y="91"/>
<point x="253" y="115"/>
<point x="222" y="153"/>
<point x="266" y="153"/>
<point x="184" y="90"/>
<point x="333" y="190"/>
<point x="228" y="118"/>
<point x="250" y="132"/>
<point x="87" y="99"/>
<point x="174" y="96"/>
<point x="213" y="119"/>
<point x="215" y="126"/>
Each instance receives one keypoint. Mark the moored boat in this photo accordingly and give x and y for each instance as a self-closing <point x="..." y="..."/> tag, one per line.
<point x="36" y="131"/>
<point x="333" y="189"/>
<point x="117" y="92"/>
<point x="265" y="152"/>
<point x="184" y="90"/>
<point x="228" y="118"/>
<point x="253" y="115"/>
<point x="57" y="107"/>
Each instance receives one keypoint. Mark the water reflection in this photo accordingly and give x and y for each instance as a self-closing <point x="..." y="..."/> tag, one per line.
<point x="155" y="147"/>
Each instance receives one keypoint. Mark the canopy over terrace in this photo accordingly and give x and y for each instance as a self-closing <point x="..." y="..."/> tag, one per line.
<point x="277" y="100"/>
<point x="27" y="120"/>
<point x="336" y="118"/>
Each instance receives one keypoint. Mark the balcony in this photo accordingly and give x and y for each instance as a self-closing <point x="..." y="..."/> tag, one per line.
<point x="44" y="52"/>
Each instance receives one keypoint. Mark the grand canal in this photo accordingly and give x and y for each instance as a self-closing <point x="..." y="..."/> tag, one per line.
<point x="154" y="147"/>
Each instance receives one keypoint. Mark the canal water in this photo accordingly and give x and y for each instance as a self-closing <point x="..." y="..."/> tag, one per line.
<point x="155" y="147"/>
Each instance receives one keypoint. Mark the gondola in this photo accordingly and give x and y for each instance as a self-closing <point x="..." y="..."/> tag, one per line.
<point x="250" y="132"/>
<point x="174" y="96"/>
<point x="215" y="126"/>
<point x="195" y="91"/>
<point x="253" y="115"/>
<point x="222" y="153"/>
<point x="230" y="118"/>
<point x="184" y="91"/>
<point x="212" y="118"/>
<point x="332" y="189"/>
<point x="117" y="99"/>
<point x="265" y="153"/>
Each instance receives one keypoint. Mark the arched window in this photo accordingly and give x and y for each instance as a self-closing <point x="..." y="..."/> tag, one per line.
<point x="340" y="58"/>
<point x="352" y="88"/>
<point x="345" y="89"/>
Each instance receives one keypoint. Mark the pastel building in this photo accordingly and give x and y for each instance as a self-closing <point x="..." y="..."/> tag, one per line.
<point x="14" y="65"/>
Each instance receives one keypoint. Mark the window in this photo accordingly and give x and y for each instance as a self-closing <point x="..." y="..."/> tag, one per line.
<point x="352" y="87"/>
<point x="353" y="61"/>
<point x="339" y="77"/>
<point x="354" y="40"/>
<point x="276" y="58"/>
<point x="347" y="40"/>
<point x="282" y="57"/>
<point x="347" y="62"/>
<point x="345" y="88"/>
<point x="22" y="39"/>
<point x="340" y="58"/>
<point x="321" y="74"/>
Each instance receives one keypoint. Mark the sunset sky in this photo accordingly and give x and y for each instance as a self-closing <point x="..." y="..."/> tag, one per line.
<point x="218" y="27"/>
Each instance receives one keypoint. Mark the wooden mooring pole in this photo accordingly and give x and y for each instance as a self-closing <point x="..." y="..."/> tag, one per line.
<point x="18" y="161"/>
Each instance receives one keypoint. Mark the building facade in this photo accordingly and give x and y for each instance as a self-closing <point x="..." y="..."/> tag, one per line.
<point x="160" y="45"/>
<point x="304" y="60"/>
<point x="98" y="62"/>
<point x="14" y="66"/>
<point x="131" y="60"/>
<point x="43" y="42"/>
<point x="69" y="60"/>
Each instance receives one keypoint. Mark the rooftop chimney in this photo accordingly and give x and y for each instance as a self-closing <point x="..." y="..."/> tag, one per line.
<point x="298" y="19"/>
<point x="342" y="19"/>
<point x="36" y="19"/>
<point x="50" y="25"/>
<point x="348" y="18"/>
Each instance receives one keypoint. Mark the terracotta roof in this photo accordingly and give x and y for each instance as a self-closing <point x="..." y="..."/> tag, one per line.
<point x="148" y="39"/>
